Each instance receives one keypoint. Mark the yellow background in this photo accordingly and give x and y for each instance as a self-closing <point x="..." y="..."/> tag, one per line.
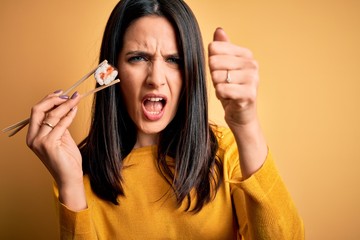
<point x="309" y="98"/>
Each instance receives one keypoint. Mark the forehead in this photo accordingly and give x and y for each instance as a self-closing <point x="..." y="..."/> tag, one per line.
<point x="151" y="32"/>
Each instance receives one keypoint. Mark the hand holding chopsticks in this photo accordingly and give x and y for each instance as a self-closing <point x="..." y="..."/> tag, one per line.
<point x="15" y="128"/>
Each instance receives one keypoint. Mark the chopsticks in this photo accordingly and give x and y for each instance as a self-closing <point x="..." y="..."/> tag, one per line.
<point x="16" y="127"/>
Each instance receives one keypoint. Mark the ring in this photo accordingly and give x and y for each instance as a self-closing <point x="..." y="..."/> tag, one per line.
<point x="228" y="77"/>
<point x="48" y="124"/>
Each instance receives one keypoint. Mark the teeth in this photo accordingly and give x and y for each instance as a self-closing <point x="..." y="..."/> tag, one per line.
<point x="154" y="113"/>
<point x="155" y="99"/>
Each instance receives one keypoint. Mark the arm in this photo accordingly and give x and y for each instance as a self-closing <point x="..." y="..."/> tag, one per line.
<point x="263" y="206"/>
<point x="55" y="147"/>
<point x="238" y="98"/>
<point x="75" y="224"/>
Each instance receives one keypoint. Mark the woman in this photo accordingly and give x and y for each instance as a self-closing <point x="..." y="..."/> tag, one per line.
<point x="151" y="166"/>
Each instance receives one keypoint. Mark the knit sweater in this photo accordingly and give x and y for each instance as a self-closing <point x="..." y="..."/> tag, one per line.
<point x="258" y="207"/>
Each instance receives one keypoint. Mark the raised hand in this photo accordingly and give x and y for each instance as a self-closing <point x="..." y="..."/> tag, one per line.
<point x="50" y="140"/>
<point x="235" y="77"/>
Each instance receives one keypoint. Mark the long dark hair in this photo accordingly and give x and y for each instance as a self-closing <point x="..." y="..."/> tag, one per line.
<point x="188" y="139"/>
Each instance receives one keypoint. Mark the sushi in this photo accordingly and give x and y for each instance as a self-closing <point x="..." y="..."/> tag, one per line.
<point x="105" y="74"/>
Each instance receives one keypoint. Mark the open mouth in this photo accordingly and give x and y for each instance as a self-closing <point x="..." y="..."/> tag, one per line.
<point x="153" y="106"/>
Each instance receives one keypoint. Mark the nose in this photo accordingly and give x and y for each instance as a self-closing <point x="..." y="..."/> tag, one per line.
<point x="156" y="75"/>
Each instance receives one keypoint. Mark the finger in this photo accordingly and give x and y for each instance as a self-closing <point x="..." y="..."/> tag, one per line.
<point x="236" y="76"/>
<point x="54" y="116"/>
<point x="39" y="111"/>
<point x="222" y="46"/>
<point x="241" y="93"/>
<point x="63" y="125"/>
<point x="57" y="113"/>
<point x="225" y="62"/>
<point x="220" y="35"/>
<point x="227" y="48"/>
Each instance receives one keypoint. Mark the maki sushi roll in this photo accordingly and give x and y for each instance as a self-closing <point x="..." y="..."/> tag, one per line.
<point x="105" y="74"/>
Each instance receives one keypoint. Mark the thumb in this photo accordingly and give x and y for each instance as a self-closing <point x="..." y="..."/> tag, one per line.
<point x="220" y="35"/>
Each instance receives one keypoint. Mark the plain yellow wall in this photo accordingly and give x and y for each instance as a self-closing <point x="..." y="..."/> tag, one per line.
<point x="308" y="102"/>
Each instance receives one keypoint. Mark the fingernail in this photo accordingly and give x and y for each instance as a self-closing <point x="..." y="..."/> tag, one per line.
<point x="75" y="95"/>
<point x="64" y="97"/>
<point x="58" y="91"/>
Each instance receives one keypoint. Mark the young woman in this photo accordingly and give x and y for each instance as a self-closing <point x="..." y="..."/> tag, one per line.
<point x="152" y="167"/>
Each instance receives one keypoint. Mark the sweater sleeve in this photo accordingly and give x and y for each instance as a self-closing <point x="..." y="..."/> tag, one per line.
<point x="264" y="208"/>
<point x="74" y="225"/>
<point x="269" y="210"/>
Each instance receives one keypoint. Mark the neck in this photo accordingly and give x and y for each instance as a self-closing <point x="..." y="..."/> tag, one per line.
<point x="144" y="140"/>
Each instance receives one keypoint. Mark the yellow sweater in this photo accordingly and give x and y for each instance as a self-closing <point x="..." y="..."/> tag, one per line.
<point x="256" y="208"/>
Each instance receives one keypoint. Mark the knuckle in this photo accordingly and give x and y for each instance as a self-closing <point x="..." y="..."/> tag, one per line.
<point x="61" y="124"/>
<point x="219" y="91"/>
<point x="212" y="62"/>
<point x="249" y="53"/>
<point x="251" y="64"/>
<point x="51" y="115"/>
<point x="252" y="94"/>
<point x="29" y="143"/>
<point x="35" y="144"/>
<point x="214" y="75"/>
<point x="256" y="79"/>
<point x="217" y="94"/>
<point x="43" y="145"/>
<point x="253" y="78"/>
<point x="46" y="144"/>
<point x="35" y="109"/>
<point x="255" y="64"/>
<point x="212" y="47"/>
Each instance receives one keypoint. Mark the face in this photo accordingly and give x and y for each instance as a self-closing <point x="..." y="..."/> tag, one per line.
<point x="150" y="76"/>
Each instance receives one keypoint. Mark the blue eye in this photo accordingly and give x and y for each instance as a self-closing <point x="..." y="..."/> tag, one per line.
<point x="174" y="60"/>
<point x="137" y="59"/>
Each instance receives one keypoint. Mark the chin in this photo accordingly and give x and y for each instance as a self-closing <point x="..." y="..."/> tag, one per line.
<point x="153" y="128"/>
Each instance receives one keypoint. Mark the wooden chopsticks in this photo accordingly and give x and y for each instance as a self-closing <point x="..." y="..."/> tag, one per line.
<point x="16" y="127"/>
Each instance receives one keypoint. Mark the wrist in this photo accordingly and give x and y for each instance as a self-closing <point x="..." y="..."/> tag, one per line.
<point x="252" y="147"/>
<point x="73" y="196"/>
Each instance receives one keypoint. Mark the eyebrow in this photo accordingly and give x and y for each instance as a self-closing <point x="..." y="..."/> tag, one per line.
<point x="136" y="53"/>
<point x="142" y="53"/>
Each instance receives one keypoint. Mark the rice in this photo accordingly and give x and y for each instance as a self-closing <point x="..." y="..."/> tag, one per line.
<point x="105" y="74"/>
